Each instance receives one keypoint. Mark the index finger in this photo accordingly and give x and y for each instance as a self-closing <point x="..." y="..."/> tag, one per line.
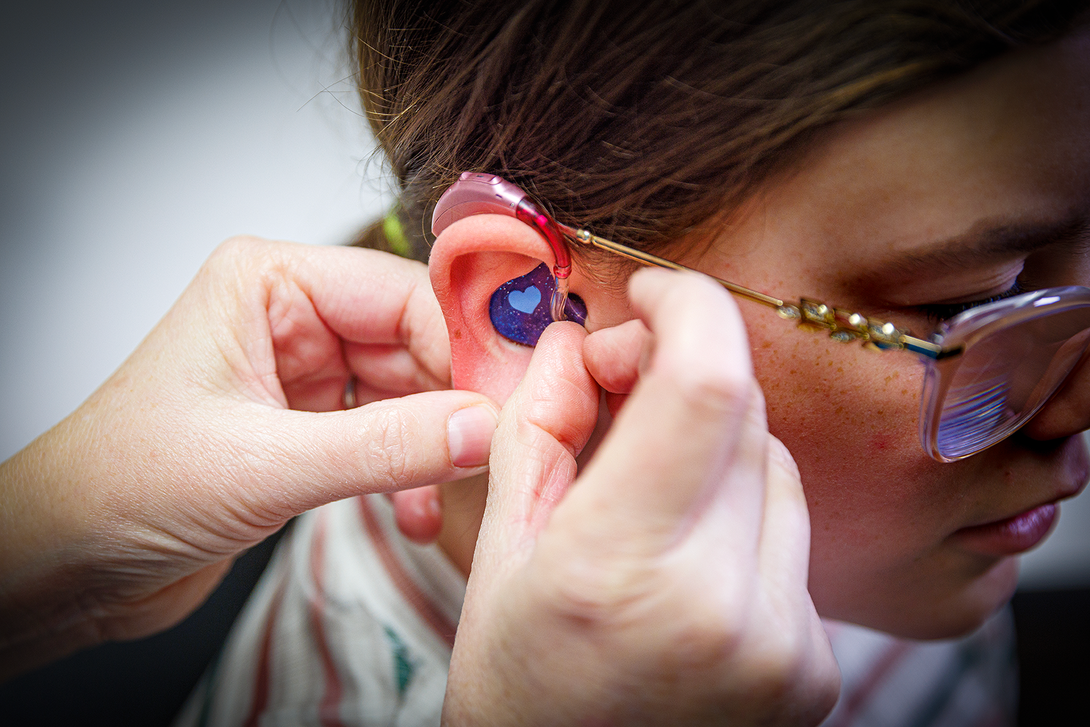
<point x="370" y="296"/>
<point x="693" y="428"/>
<point x="339" y="312"/>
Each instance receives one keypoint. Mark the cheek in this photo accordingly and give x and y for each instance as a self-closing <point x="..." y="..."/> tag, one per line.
<point x="847" y="411"/>
<point x="881" y="510"/>
<point x="849" y="417"/>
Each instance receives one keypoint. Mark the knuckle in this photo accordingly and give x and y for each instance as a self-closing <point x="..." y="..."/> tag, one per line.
<point x="234" y="258"/>
<point x="586" y="590"/>
<point x="384" y="446"/>
<point x="787" y="669"/>
<point x="234" y="247"/>
<point x="707" y="639"/>
<point x="780" y="658"/>
<point x="626" y="596"/>
<point x="727" y="629"/>
<point x="602" y="587"/>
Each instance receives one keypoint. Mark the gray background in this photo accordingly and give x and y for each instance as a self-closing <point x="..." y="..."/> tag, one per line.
<point x="135" y="136"/>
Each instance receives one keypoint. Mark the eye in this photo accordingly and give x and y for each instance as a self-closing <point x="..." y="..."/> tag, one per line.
<point x="939" y="312"/>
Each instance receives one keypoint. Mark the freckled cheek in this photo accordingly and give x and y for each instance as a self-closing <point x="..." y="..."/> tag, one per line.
<point x="824" y="395"/>
<point x="849" y="417"/>
<point x="879" y="506"/>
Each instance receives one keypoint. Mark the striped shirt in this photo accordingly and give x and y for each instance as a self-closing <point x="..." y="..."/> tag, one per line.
<point x="352" y="624"/>
<point x="890" y="682"/>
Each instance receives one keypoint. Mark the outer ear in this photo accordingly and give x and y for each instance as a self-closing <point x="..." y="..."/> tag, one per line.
<point x="469" y="260"/>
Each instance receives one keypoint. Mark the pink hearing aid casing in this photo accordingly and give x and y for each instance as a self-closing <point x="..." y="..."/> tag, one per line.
<point x="477" y="194"/>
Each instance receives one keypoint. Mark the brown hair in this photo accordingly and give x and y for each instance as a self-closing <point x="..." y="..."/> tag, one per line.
<point x="643" y="120"/>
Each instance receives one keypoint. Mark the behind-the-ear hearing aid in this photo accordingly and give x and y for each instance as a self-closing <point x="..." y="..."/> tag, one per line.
<point x="516" y="308"/>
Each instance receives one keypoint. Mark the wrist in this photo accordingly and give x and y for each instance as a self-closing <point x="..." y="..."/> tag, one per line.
<point x="43" y="614"/>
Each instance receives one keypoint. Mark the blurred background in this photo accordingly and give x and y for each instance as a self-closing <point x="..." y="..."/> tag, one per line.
<point x="135" y="137"/>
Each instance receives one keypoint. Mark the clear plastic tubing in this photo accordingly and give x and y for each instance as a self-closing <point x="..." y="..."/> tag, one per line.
<point x="529" y="213"/>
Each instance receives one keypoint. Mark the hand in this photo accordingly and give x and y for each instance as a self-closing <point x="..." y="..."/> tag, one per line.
<point x="223" y="424"/>
<point x="665" y="585"/>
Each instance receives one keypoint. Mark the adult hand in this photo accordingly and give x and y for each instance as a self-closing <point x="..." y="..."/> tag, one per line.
<point x="668" y="584"/>
<point x="224" y="423"/>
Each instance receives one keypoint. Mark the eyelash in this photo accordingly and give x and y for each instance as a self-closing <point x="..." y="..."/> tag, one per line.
<point x="939" y="312"/>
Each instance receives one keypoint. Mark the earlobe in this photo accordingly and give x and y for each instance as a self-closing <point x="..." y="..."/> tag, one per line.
<point x="484" y="273"/>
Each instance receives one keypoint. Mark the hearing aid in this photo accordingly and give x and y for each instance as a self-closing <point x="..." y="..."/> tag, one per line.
<point x="516" y="307"/>
<point x="520" y="309"/>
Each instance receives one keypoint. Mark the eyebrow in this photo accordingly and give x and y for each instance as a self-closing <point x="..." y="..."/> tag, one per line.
<point x="990" y="241"/>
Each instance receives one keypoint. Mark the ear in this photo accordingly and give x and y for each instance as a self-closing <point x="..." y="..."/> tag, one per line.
<point x="470" y="260"/>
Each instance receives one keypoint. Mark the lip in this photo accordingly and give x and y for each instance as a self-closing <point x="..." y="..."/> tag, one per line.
<point x="1011" y="536"/>
<point x="1021" y="532"/>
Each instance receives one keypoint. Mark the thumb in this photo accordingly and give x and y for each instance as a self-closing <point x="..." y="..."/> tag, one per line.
<point x="544" y="424"/>
<point x="308" y="459"/>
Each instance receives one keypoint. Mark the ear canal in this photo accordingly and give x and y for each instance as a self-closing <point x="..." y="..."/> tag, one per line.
<point x="520" y="309"/>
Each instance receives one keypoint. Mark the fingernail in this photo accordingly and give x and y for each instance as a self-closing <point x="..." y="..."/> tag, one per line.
<point x="469" y="436"/>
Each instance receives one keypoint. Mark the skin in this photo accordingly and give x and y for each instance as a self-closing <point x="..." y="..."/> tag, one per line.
<point x="612" y="599"/>
<point x="858" y="224"/>
<point x="221" y="426"/>
<point x="622" y="601"/>
<point x="1007" y="145"/>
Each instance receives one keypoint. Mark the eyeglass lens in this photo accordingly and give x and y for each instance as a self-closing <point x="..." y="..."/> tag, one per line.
<point x="1006" y="377"/>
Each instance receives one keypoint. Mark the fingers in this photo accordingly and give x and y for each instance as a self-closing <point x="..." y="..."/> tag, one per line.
<point x="366" y="296"/>
<point x="613" y="355"/>
<point x="648" y="569"/>
<point x="382" y="371"/>
<point x="372" y="298"/>
<point x="785" y="538"/>
<point x="694" y="417"/>
<point x="418" y="513"/>
<point x="294" y="324"/>
<point x="304" y="459"/>
<point x="545" y="423"/>
<point x="340" y="312"/>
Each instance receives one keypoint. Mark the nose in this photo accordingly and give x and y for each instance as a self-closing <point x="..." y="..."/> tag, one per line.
<point x="1068" y="411"/>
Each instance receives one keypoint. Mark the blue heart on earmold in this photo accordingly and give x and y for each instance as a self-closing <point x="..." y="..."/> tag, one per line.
<point x="516" y="309"/>
<point x="525" y="301"/>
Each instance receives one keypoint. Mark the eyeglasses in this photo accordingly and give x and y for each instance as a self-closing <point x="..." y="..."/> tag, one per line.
<point x="989" y="369"/>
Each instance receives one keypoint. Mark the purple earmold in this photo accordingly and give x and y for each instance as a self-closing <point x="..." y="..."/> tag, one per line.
<point x="520" y="308"/>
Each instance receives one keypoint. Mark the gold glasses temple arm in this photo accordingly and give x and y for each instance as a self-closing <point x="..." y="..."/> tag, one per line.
<point x="843" y="326"/>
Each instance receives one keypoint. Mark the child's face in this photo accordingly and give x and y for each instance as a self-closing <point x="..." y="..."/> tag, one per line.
<point x="855" y="226"/>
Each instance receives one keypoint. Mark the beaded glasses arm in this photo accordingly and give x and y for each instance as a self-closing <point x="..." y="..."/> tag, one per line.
<point x="844" y="326"/>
